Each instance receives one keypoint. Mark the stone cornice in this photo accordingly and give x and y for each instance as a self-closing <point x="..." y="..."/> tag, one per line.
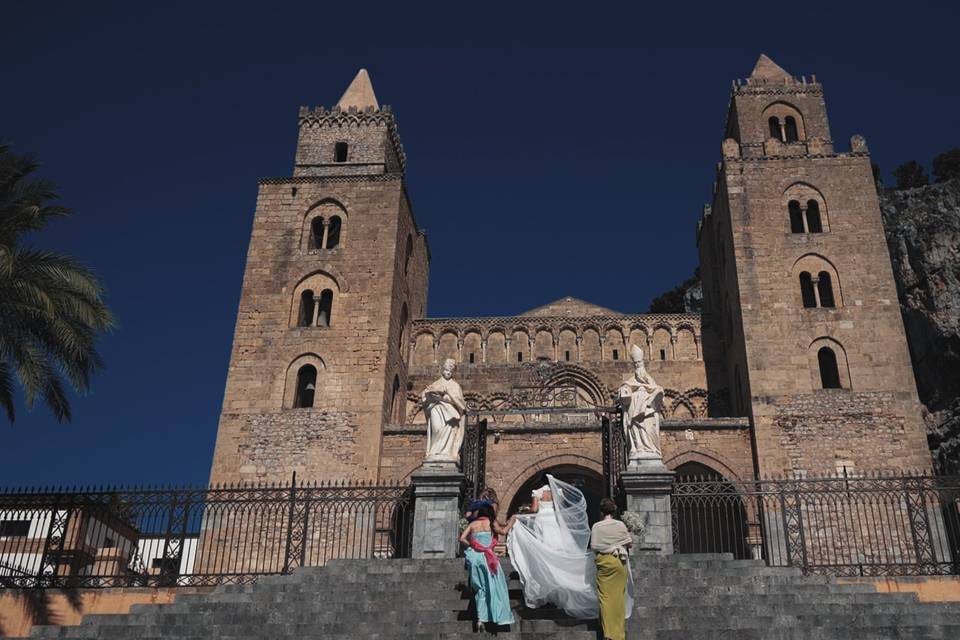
<point x="377" y="177"/>
<point x="646" y="322"/>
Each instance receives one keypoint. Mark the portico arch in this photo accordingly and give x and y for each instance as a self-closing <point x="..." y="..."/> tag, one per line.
<point x="589" y="481"/>
<point x="544" y="464"/>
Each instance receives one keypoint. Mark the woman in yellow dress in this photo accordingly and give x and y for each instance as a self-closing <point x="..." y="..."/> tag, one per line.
<point x="610" y="539"/>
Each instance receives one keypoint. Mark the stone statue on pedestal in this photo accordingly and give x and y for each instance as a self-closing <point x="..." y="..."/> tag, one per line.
<point x="444" y="406"/>
<point x="642" y="401"/>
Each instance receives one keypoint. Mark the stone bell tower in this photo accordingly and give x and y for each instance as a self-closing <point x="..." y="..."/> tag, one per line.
<point x="336" y="270"/>
<point x="799" y="289"/>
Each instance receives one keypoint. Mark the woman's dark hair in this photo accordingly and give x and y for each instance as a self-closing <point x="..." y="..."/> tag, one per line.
<point x="486" y="511"/>
<point x="488" y="493"/>
<point x="608" y="507"/>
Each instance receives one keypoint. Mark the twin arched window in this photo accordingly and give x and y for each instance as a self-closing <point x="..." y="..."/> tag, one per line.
<point x="805" y="219"/>
<point x="324" y="234"/>
<point x="315" y="311"/>
<point x="784" y="130"/>
<point x="816" y="291"/>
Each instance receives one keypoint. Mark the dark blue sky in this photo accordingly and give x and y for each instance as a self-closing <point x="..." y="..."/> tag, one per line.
<point x="551" y="151"/>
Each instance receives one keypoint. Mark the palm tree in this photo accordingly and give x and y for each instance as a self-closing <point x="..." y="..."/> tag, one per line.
<point x="51" y="306"/>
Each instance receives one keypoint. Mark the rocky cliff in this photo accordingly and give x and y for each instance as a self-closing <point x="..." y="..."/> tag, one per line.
<point x="923" y="234"/>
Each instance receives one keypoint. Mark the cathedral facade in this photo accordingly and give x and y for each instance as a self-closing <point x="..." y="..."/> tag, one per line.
<point x="797" y="364"/>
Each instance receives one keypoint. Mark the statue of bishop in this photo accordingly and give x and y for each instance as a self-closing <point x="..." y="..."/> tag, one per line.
<point x="444" y="406"/>
<point x="642" y="401"/>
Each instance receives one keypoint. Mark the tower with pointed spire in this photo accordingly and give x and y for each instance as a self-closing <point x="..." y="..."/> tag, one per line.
<point x="799" y="294"/>
<point x="336" y="271"/>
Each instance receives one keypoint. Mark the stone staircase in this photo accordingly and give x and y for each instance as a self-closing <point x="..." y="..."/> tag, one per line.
<point x="689" y="597"/>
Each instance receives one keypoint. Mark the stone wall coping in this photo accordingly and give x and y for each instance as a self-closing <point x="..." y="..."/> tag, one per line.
<point x="699" y="424"/>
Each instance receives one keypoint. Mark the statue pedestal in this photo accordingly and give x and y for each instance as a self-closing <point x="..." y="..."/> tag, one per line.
<point x="647" y="484"/>
<point x="436" y="510"/>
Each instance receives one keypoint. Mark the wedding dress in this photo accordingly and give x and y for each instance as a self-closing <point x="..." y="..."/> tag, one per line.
<point x="549" y="549"/>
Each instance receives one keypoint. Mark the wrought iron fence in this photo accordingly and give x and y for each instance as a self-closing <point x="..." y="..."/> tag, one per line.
<point x="844" y="526"/>
<point x="195" y="537"/>
<point x="473" y="456"/>
<point x="614" y="451"/>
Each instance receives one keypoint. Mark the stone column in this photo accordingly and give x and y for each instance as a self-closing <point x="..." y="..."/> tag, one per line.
<point x="413" y="350"/>
<point x="579" y="340"/>
<point x="483" y="350"/>
<point x="815" y="283"/>
<point x="803" y="218"/>
<point x="436" y="510"/>
<point x="323" y="242"/>
<point x="647" y="485"/>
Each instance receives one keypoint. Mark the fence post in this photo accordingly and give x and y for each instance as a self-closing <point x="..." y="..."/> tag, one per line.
<point x="648" y="485"/>
<point x="436" y="510"/>
<point x="290" y="516"/>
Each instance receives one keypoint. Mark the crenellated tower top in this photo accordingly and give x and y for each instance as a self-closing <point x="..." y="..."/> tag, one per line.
<point x="355" y="137"/>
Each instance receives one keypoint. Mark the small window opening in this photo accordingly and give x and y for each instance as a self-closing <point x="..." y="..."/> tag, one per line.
<point x="519" y="356"/>
<point x="814" y="225"/>
<point x="305" y="316"/>
<point x="340" y="152"/>
<point x="316" y="233"/>
<point x="829" y="373"/>
<point x="471" y="358"/>
<point x="796" y="217"/>
<point x="14" y="528"/>
<point x="333" y="232"/>
<point x="806" y="291"/>
<point x="326" y="308"/>
<point x="566" y="356"/>
<point x="774" y="124"/>
<point x="663" y="354"/>
<point x="616" y="354"/>
<point x="825" y="289"/>
<point x="306" y="387"/>
<point x="790" y="129"/>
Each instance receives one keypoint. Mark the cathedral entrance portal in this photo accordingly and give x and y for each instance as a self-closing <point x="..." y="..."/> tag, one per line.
<point x="588" y="481"/>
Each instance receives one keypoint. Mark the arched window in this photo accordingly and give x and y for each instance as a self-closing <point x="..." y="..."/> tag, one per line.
<point x="326" y="308"/>
<point x="404" y="316"/>
<point x="796" y="217"/>
<point x="829" y="373"/>
<point x="406" y="260"/>
<point x="340" y="152"/>
<point x="306" y="387"/>
<point x="316" y="233"/>
<point x="307" y="309"/>
<point x="825" y="289"/>
<point x="333" y="232"/>
<point x="790" y="129"/>
<point x="806" y="290"/>
<point x="774" y="123"/>
<point x="813" y="217"/>
<point x="396" y="413"/>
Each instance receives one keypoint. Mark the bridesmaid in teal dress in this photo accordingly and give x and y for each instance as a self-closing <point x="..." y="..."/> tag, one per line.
<point x="486" y="575"/>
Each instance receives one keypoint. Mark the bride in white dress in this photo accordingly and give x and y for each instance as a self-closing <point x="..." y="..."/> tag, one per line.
<point x="549" y="549"/>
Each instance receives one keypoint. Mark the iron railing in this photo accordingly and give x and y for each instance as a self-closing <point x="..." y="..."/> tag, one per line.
<point x="844" y="526"/>
<point x="473" y="456"/>
<point x="614" y="453"/>
<point x="195" y="537"/>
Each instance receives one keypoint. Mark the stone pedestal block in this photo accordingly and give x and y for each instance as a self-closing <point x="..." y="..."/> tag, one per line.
<point x="436" y="511"/>
<point x="647" y="484"/>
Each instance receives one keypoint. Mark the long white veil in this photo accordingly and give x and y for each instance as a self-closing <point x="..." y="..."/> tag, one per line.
<point x="550" y="551"/>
